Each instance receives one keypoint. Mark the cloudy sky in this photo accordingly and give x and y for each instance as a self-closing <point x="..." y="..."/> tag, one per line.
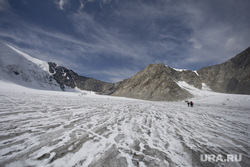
<point x="111" y="40"/>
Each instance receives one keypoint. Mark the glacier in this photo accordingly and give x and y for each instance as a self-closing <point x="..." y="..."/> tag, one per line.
<point x="54" y="129"/>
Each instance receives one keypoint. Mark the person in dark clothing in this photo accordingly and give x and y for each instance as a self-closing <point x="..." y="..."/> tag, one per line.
<point x="188" y="103"/>
<point x="191" y="104"/>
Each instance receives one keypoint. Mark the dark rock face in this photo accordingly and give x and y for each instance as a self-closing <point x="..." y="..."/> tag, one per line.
<point x="66" y="77"/>
<point x="233" y="76"/>
<point x="155" y="82"/>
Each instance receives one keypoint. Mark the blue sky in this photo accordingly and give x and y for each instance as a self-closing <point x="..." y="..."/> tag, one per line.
<point x="112" y="40"/>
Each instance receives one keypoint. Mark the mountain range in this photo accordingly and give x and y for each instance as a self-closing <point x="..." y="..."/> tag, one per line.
<point x="156" y="82"/>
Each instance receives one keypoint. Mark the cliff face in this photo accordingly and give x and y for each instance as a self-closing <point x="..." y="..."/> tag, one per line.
<point x="233" y="76"/>
<point x="155" y="82"/>
<point x="67" y="77"/>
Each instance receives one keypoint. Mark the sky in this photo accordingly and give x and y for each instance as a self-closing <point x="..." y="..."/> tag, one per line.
<point x="112" y="40"/>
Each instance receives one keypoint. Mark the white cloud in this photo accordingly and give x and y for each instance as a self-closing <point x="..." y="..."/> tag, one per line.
<point x="61" y="3"/>
<point x="116" y="75"/>
<point x="195" y="43"/>
<point x="104" y="40"/>
<point x="82" y="4"/>
<point x="4" y="5"/>
<point x="217" y="35"/>
<point x="208" y="35"/>
<point x="233" y="44"/>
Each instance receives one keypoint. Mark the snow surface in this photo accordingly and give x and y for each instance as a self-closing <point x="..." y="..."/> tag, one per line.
<point x="180" y="70"/>
<point x="22" y="69"/>
<point x="52" y="128"/>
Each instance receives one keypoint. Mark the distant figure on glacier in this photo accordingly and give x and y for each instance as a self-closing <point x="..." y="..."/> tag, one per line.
<point x="188" y="103"/>
<point x="191" y="104"/>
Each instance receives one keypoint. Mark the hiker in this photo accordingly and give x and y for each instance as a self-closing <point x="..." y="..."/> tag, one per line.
<point x="188" y="103"/>
<point x="191" y="103"/>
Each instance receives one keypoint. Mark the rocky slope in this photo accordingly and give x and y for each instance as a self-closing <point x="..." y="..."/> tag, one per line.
<point x="67" y="77"/>
<point x="157" y="82"/>
<point x="233" y="76"/>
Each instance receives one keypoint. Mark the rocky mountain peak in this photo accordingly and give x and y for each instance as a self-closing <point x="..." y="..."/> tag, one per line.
<point x="152" y="83"/>
<point x="233" y="76"/>
<point x="176" y="75"/>
<point x="155" y="68"/>
<point x="242" y="60"/>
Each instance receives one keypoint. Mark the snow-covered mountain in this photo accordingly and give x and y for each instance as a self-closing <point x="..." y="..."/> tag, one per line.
<point x="22" y="69"/>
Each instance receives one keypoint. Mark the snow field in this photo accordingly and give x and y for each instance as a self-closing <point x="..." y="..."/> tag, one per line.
<point x="46" y="128"/>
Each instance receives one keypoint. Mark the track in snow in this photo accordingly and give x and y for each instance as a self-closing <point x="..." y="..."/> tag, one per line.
<point x="76" y="130"/>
